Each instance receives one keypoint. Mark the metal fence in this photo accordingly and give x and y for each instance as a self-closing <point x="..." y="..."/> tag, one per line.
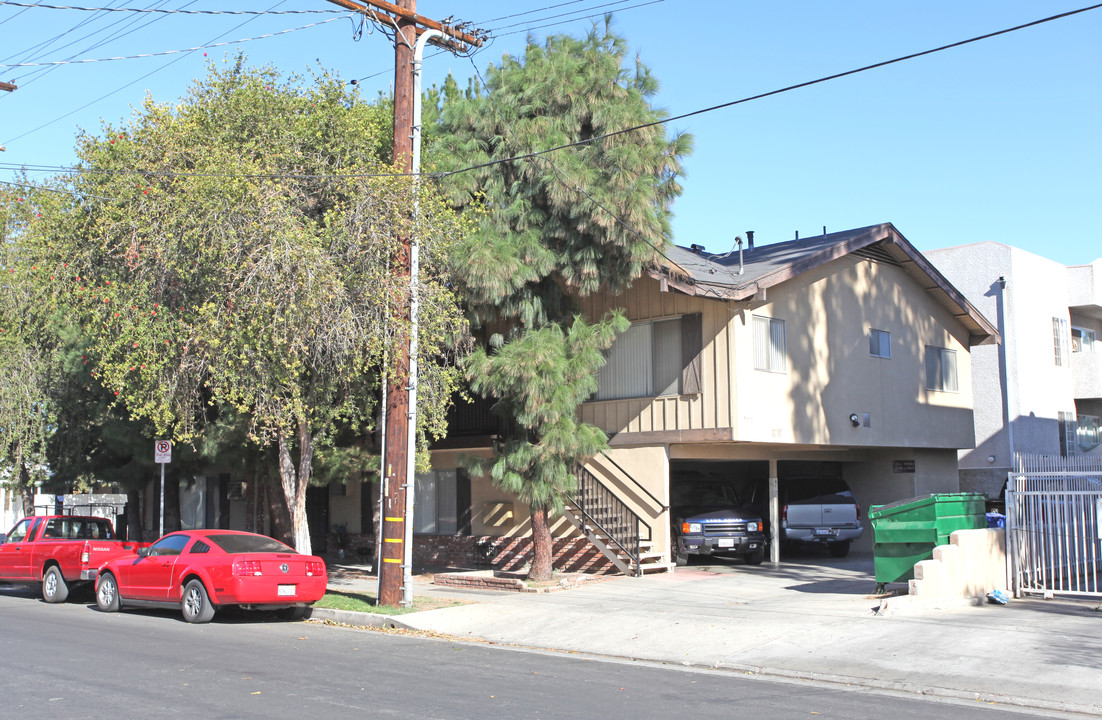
<point x="1054" y="536"/>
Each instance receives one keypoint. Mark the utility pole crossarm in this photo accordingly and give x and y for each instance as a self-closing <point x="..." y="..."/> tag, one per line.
<point x="420" y="21"/>
<point x="8" y="87"/>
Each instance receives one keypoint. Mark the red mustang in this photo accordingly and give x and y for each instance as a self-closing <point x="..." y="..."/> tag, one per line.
<point x="199" y="571"/>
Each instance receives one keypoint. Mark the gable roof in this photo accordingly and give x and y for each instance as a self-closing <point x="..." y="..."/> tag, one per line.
<point x="748" y="275"/>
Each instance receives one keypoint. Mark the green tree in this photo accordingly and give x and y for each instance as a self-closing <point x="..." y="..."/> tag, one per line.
<point x="588" y="217"/>
<point x="232" y="250"/>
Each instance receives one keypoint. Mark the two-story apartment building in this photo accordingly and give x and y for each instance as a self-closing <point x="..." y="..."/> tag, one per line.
<point x="842" y="354"/>
<point x="1040" y="391"/>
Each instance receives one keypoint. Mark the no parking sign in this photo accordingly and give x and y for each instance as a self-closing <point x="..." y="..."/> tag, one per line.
<point x="162" y="451"/>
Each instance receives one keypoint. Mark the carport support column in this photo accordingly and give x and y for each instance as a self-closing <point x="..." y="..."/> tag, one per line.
<point x="774" y="514"/>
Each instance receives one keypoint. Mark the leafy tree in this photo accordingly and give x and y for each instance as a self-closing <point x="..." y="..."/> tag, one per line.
<point x="590" y="216"/>
<point x="233" y="250"/>
<point x="32" y="357"/>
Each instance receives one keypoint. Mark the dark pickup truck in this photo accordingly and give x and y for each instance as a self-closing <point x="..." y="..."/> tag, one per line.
<point x="61" y="551"/>
<point x="709" y="519"/>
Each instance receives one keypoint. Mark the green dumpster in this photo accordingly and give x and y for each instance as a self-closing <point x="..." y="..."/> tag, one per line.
<point x="907" y="531"/>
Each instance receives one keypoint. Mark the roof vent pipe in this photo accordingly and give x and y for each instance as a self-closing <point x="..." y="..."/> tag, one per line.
<point x="738" y="241"/>
<point x="749" y="240"/>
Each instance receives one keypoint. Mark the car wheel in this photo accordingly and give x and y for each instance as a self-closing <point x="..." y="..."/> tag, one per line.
<point x="107" y="593"/>
<point x="195" y="604"/>
<point x="54" y="587"/>
<point x="838" y="549"/>
<point x="755" y="557"/>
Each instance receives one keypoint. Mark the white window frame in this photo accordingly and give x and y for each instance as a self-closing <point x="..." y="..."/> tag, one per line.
<point x="942" y="376"/>
<point x="1060" y="341"/>
<point x="880" y="344"/>
<point x="770" y="345"/>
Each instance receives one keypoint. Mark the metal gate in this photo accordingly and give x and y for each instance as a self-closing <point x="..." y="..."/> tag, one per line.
<point x="1054" y="537"/>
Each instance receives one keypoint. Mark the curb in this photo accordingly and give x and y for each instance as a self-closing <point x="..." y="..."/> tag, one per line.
<point x="358" y="619"/>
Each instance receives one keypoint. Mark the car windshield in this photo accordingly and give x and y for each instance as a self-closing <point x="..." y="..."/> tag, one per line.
<point x="233" y="543"/>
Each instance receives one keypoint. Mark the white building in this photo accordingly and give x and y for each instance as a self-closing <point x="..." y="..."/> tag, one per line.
<point x="1040" y="391"/>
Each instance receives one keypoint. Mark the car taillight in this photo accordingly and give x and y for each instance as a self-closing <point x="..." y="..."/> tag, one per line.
<point x="857" y="509"/>
<point x="784" y="514"/>
<point x="85" y="554"/>
<point x="315" y="567"/>
<point x="246" y="567"/>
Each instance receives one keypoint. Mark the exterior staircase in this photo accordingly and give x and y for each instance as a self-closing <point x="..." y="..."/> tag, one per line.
<point x="613" y="527"/>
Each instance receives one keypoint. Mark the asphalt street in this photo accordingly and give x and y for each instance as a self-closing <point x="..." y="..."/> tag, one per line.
<point x="70" y="659"/>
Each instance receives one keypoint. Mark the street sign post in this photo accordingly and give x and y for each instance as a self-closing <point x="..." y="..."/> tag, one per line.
<point x="162" y="455"/>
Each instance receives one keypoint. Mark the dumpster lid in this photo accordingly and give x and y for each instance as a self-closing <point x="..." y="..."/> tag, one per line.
<point x="921" y="500"/>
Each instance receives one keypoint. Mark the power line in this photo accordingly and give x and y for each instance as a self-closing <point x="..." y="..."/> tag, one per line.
<point x="173" y="52"/>
<point x="778" y="91"/>
<point x="132" y="82"/>
<point x="170" y="12"/>
<point x="538" y="153"/>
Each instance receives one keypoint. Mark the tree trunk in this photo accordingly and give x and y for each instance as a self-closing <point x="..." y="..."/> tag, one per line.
<point x="277" y="507"/>
<point x="541" y="546"/>
<point x="294" y="482"/>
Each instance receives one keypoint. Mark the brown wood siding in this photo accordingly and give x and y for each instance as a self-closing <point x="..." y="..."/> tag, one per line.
<point x="710" y="409"/>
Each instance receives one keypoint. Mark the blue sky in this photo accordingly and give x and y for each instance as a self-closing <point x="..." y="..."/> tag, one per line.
<point x="996" y="140"/>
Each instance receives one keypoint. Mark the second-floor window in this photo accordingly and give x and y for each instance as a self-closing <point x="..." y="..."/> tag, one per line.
<point x="1082" y="340"/>
<point x="941" y="369"/>
<point x="880" y="343"/>
<point x="654" y="358"/>
<point x="770" y="353"/>
<point x="1059" y="340"/>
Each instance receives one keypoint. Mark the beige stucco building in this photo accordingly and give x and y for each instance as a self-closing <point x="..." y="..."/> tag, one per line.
<point x="842" y="354"/>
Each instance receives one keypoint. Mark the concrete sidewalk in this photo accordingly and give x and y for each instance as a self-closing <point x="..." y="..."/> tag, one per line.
<point x="814" y="620"/>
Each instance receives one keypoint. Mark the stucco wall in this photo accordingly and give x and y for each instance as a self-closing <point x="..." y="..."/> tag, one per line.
<point x="831" y="374"/>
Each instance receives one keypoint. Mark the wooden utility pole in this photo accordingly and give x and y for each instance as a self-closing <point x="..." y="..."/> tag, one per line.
<point x="407" y="25"/>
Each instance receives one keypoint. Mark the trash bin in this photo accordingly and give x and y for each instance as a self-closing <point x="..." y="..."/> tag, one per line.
<point x="907" y="531"/>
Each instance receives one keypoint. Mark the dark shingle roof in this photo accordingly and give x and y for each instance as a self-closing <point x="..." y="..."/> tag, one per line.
<point x="718" y="275"/>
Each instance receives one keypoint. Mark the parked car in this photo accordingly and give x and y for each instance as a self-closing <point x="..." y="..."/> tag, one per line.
<point x="61" y="551"/>
<point x="200" y="571"/>
<point x="709" y="518"/>
<point x="819" y="511"/>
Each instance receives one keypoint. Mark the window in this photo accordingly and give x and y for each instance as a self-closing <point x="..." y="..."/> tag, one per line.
<point x="941" y="369"/>
<point x="769" y="349"/>
<point x="880" y="343"/>
<point x="169" y="545"/>
<point x="20" y="531"/>
<point x="654" y="359"/>
<point x="442" y="503"/>
<point x="199" y="548"/>
<point x="1067" y="433"/>
<point x="1059" y="342"/>
<point x="1082" y="340"/>
<point x="1087" y="432"/>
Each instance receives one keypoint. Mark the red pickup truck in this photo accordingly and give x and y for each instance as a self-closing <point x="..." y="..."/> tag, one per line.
<point x="59" y="550"/>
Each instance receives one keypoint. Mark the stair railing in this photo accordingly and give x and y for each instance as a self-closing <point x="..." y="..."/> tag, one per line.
<point x="611" y="515"/>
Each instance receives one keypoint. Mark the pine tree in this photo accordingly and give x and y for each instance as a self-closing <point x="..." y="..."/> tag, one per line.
<point x="587" y="217"/>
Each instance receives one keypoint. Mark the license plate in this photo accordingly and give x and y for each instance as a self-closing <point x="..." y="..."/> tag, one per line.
<point x="824" y="531"/>
<point x="285" y="590"/>
<point x="726" y="542"/>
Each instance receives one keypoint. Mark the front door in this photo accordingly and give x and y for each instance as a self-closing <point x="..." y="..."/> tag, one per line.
<point x="150" y="577"/>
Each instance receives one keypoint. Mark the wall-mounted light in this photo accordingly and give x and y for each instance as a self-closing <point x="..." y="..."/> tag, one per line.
<point x="990" y="458"/>
<point x="855" y="420"/>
